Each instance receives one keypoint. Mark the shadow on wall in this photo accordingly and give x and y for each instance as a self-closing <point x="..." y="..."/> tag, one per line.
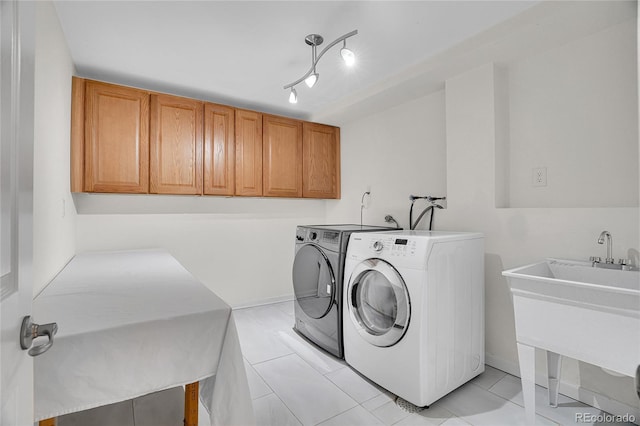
<point x="499" y="317"/>
<point x="601" y="384"/>
<point x="151" y="204"/>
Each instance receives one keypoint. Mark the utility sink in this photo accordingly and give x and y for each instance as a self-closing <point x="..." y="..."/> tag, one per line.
<point x="569" y="308"/>
<point x="578" y="283"/>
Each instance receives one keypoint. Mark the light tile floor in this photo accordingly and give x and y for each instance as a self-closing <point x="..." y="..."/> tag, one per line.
<point x="292" y="382"/>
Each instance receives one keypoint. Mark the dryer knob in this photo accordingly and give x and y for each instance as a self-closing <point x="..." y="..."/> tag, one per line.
<point x="313" y="236"/>
<point x="378" y="246"/>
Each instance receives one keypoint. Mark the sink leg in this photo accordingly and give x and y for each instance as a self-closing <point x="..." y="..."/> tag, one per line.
<point x="554" y="362"/>
<point x="527" y="358"/>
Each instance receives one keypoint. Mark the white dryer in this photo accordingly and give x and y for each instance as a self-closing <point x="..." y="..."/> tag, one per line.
<point x="414" y="313"/>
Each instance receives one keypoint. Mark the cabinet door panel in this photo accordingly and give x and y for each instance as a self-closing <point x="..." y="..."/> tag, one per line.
<point x="321" y="161"/>
<point x="282" y="157"/>
<point x="116" y="139"/>
<point x="176" y="145"/>
<point x="248" y="153"/>
<point x="219" y="149"/>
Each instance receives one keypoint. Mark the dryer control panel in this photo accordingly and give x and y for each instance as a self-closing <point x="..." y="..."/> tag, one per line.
<point x="328" y="240"/>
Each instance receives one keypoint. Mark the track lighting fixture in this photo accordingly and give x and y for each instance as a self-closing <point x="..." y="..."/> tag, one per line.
<point x="311" y="76"/>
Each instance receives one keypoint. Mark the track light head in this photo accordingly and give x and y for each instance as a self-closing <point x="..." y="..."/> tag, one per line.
<point x="293" y="96"/>
<point x="311" y="80"/>
<point x="348" y="56"/>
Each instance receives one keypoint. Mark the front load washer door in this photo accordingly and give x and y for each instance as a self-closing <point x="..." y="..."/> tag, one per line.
<point x="378" y="301"/>
<point x="314" y="281"/>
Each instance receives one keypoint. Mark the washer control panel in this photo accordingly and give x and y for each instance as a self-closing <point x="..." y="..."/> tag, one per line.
<point x="393" y="246"/>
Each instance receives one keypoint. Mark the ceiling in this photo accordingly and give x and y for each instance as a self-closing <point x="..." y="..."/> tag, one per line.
<point x="242" y="53"/>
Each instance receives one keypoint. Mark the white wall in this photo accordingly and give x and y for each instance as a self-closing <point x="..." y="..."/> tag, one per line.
<point x="517" y="236"/>
<point x="395" y="153"/>
<point x="241" y="248"/>
<point x="574" y="110"/>
<point x="53" y="209"/>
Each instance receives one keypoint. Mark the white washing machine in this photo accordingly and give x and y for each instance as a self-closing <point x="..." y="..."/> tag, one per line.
<point x="414" y="311"/>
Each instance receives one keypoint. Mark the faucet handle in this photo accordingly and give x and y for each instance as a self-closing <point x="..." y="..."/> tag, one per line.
<point x="624" y="261"/>
<point x="595" y="259"/>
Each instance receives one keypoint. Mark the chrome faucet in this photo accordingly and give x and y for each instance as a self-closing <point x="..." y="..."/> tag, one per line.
<point x="607" y="235"/>
<point x="623" y="264"/>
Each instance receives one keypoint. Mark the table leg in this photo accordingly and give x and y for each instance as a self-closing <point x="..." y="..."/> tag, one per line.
<point x="554" y="361"/>
<point x="191" y="404"/>
<point x="47" y="422"/>
<point x="527" y="357"/>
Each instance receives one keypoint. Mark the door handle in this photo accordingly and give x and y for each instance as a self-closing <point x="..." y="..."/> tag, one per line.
<point x="31" y="330"/>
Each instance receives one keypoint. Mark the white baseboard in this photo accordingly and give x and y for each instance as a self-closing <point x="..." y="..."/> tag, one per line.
<point x="261" y="302"/>
<point x="573" y="391"/>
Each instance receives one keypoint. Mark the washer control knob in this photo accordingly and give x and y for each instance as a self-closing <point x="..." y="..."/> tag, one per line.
<point x="378" y="246"/>
<point x="313" y="235"/>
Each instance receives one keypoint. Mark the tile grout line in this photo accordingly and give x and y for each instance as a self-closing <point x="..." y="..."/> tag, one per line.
<point x="276" y="393"/>
<point x="285" y="406"/>
<point x="509" y="401"/>
<point x="263" y="381"/>
<point x="322" y="375"/>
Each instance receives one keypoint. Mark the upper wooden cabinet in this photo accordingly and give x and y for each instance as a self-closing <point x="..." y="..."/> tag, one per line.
<point x="282" y="157"/>
<point x="219" y="150"/>
<point x="175" y="145"/>
<point x="248" y="153"/>
<point x="321" y="161"/>
<point x="116" y="138"/>
<point x="135" y="141"/>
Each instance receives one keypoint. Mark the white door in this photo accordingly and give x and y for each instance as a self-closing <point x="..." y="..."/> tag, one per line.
<point x="17" y="39"/>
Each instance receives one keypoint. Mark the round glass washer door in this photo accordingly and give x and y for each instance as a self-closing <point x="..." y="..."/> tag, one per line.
<point x="378" y="302"/>
<point x="314" y="281"/>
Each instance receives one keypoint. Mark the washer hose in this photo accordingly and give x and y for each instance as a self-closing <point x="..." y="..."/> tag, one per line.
<point x="432" y="204"/>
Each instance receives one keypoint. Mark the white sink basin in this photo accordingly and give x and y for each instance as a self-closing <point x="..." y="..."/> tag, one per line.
<point x="572" y="309"/>
<point x="579" y="283"/>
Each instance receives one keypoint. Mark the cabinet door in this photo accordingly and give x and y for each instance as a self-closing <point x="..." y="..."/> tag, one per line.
<point x="321" y="161"/>
<point x="248" y="153"/>
<point x="219" y="149"/>
<point x="282" y="157"/>
<point x="176" y="145"/>
<point x="116" y="139"/>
